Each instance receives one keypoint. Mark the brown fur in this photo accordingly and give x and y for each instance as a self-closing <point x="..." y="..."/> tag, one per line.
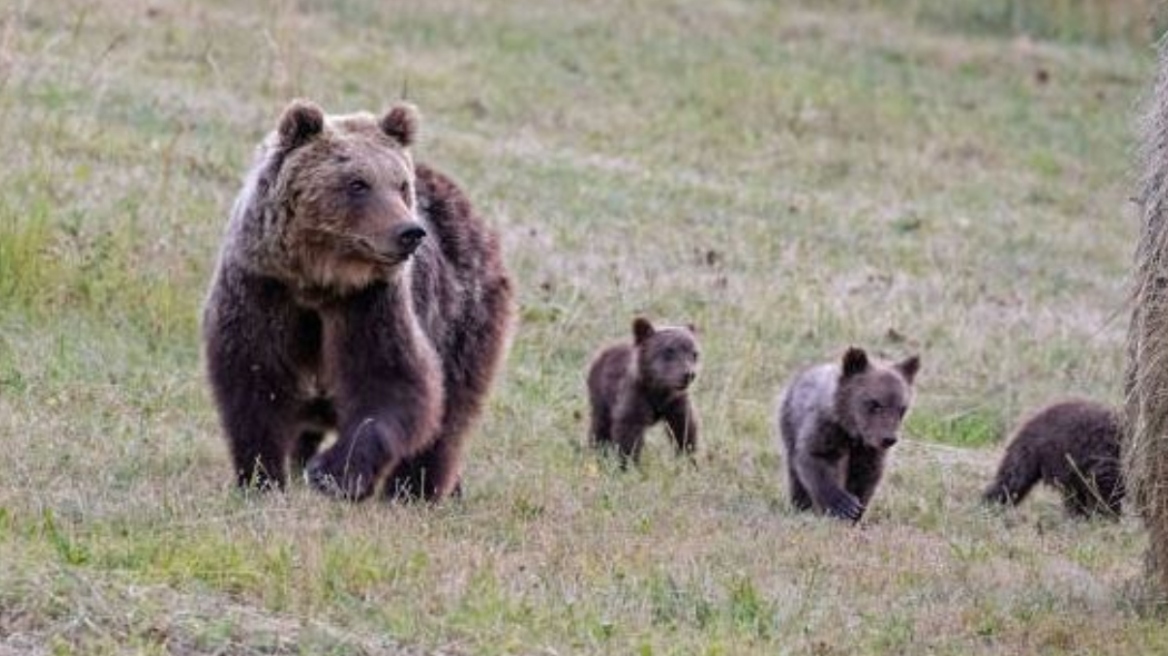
<point x="355" y="292"/>
<point x="836" y="423"/>
<point x="1071" y="445"/>
<point x="633" y="386"/>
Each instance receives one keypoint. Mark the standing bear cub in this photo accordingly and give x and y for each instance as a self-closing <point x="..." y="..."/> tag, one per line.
<point x="837" y="422"/>
<point x="633" y="386"/>
<point x="355" y="292"/>
<point x="1071" y="445"/>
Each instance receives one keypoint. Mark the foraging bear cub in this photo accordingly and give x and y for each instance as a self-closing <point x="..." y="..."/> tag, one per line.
<point x="836" y="423"/>
<point x="359" y="292"/>
<point x="633" y="386"/>
<point x="1071" y="445"/>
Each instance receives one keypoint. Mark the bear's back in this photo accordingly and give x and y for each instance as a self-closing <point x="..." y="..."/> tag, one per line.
<point x="1081" y="430"/>
<point x="809" y="397"/>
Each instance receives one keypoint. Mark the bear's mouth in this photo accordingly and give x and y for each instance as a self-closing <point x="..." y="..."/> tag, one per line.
<point x="360" y="247"/>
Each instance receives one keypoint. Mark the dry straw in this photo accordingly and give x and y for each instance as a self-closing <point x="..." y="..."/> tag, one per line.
<point x="1146" y="380"/>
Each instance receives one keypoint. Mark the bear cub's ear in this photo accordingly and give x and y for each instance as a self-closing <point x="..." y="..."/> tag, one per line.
<point x="302" y="120"/>
<point x="642" y="330"/>
<point x="909" y="368"/>
<point x="401" y="123"/>
<point x="855" y="362"/>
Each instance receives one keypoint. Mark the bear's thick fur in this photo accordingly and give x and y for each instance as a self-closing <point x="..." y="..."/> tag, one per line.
<point x="836" y="423"/>
<point x="357" y="292"/>
<point x="1073" y="446"/>
<point x="633" y="386"/>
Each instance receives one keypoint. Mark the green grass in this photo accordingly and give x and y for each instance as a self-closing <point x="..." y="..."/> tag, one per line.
<point x="943" y="178"/>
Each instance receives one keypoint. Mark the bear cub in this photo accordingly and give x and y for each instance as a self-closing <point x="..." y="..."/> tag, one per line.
<point x="836" y="423"/>
<point x="357" y="292"/>
<point x="1071" y="445"/>
<point x="633" y="386"/>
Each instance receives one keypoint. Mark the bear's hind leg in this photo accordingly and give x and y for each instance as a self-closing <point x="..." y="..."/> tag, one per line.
<point x="600" y="429"/>
<point x="1018" y="473"/>
<point x="800" y="498"/>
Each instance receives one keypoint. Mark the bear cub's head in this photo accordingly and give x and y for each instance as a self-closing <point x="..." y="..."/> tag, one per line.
<point x="667" y="357"/>
<point x="346" y="185"/>
<point x="873" y="397"/>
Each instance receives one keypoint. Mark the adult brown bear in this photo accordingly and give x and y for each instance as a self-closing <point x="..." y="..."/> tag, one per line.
<point x="359" y="292"/>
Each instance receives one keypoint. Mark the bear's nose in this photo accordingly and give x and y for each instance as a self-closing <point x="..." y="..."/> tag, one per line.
<point x="888" y="441"/>
<point x="409" y="236"/>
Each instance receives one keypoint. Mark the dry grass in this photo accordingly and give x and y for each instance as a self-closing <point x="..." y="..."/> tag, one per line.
<point x="1145" y="379"/>
<point x="790" y="177"/>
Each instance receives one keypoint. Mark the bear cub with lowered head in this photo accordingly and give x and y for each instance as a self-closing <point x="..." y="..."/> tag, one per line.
<point x="1071" y="445"/>
<point x="633" y="386"/>
<point x="356" y="292"/>
<point x="837" y="422"/>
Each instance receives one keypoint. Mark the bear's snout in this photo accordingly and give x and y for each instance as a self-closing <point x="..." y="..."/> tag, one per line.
<point x="408" y="237"/>
<point x="888" y="441"/>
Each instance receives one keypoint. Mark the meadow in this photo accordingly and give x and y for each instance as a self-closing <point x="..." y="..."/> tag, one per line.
<point x="949" y="179"/>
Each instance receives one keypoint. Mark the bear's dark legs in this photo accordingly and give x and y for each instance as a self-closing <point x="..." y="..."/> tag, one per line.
<point x="600" y="432"/>
<point x="682" y="423"/>
<point x="349" y="469"/>
<point x="800" y="499"/>
<point x="1078" y="501"/>
<point x="820" y="476"/>
<point x="254" y="389"/>
<point x="429" y="476"/>
<point x="260" y="464"/>
<point x="865" y="469"/>
<point x="629" y="436"/>
<point x="306" y="447"/>
<point x="258" y="440"/>
<point x="1109" y="483"/>
<point x="1091" y="494"/>
<point x="317" y="417"/>
<point x="1017" y="475"/>
<point x="469" y="367"/>
<point x="389" y="392"/>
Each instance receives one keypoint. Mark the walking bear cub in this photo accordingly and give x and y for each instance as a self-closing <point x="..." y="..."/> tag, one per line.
<point x="633" y="386"/>
<point x="837" y="422"/>
<point x="1071" y="445"/>
<point x="359" y="292"/>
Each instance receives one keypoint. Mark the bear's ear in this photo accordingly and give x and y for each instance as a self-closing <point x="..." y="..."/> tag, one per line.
<point x="692" y="328"/>
<point x="909" y="368"/>
<point x="401" y="123"/>
<point x="301" y="121"/>
<point x="642" y="330"/>
<point x="855" y="362"/>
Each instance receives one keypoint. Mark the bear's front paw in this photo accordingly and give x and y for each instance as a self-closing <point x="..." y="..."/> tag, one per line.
<point x="846" y="506"/>
<point x="347" y="483"/>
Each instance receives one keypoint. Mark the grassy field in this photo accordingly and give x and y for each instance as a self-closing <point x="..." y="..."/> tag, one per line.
<point x="792" y="178"/>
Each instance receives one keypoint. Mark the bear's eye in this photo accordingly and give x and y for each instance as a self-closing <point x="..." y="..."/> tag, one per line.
<point x="697" y="356"/>
<point x="405" y="190"/>
<point x="872" y="406"/>
<point x="358" y="186"/>
<point x="669" y="353"/>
